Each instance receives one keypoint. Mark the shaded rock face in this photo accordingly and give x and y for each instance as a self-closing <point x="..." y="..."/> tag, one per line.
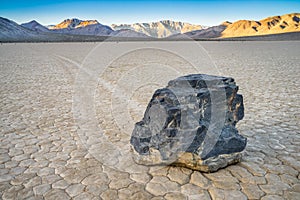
<point x="191" y="123"/>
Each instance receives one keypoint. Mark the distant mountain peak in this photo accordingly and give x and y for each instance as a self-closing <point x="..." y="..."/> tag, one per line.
<point x="74" y="23"/>
<point x="35" y="26"/>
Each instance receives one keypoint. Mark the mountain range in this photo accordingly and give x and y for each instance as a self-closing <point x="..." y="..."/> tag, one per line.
<point x="159" y="29"/>
<point x="76" y="29"/>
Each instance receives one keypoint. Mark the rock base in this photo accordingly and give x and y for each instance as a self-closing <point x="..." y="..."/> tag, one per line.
<point x="189" y="160"/>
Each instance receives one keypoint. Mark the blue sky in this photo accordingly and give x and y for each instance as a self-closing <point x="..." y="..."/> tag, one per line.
<point x="203" y="12"/>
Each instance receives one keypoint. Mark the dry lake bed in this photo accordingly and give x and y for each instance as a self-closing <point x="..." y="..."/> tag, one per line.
<point x="68" y="109"/>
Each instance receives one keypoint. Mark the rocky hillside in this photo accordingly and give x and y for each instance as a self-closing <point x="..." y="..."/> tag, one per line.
<point x="271" y="25"/>
<point x="211" y="32"/>
<point x="159" y="29"/>
<point x="11" y="30"/>
<point x="128" y="33"/>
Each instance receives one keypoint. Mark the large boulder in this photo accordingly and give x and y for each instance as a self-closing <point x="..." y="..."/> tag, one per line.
<point x="191" y="123"/>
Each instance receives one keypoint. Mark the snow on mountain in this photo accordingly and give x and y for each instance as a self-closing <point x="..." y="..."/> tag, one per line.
<point x="35" y="26"/>
<point x="159" y="29"/>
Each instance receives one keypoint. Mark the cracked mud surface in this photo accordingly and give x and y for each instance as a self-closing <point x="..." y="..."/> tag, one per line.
<point x="42" y="156"/>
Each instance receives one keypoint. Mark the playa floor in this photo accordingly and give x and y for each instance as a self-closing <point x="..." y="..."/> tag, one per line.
<point x="67" y="113"/>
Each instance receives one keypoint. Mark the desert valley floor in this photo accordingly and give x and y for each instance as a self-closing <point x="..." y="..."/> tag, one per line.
<point x="68" y="110"/>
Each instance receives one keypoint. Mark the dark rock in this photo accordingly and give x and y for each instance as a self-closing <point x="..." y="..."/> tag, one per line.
<point x="191" y="123"/>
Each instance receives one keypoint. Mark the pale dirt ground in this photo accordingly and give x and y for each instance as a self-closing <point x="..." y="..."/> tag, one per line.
<point x="66" y="121"/>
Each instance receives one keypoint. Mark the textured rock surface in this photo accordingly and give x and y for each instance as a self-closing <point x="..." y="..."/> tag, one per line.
<point x="191" y="123"/>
